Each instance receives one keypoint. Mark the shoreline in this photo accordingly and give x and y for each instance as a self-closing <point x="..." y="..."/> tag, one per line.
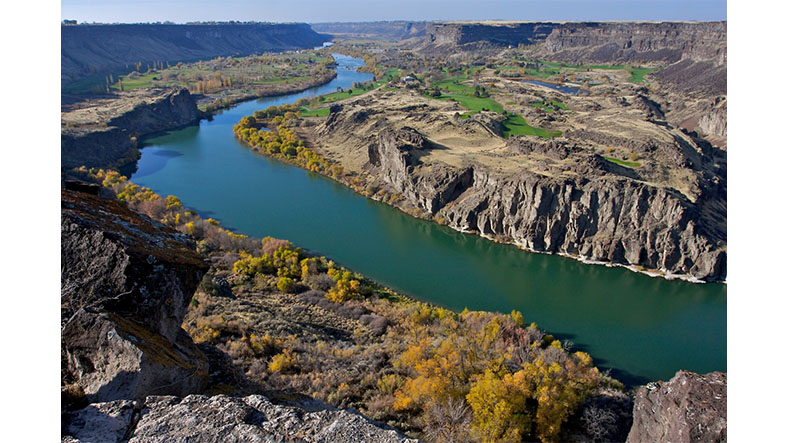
<point x="298" y="87"/>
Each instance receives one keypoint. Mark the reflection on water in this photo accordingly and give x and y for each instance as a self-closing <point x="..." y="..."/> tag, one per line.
<point x="564" y="89"/>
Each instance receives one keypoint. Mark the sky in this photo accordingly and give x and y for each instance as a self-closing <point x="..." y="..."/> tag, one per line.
<point x="315" y="11"/>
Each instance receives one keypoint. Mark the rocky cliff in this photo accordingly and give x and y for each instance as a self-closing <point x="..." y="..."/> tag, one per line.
<point x="688" y="408"/>
<point x="602" y="42"/>
<point x="638" y="42"/>
<point x="595" y="216"/>
<point x="88" y="49"/>
<point x="507" y="34"/>
<point x="104" y="132"/>
<point x="125" y="285"/>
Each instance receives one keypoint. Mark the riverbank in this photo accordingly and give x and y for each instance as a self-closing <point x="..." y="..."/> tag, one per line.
<point x="226" y="102"/>
<point x="362" y="183"/>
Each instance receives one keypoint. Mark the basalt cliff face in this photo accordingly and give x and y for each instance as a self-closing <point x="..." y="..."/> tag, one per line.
<point x="87" y="49"/>
<point x="638" y="42"/>
<point x="125" y="285"/>
<point x="104" y="131"/>
<point x="504" y="34"/>
<point x="596" y="216"/>
<point x="603" y="42"/>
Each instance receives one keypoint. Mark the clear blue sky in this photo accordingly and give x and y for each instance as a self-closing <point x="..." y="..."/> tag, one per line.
<point x="179" y="11"/>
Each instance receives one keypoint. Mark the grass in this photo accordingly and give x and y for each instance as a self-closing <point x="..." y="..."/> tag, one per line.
<point x="318" y="112"/>
<point x="637" y="74"/>
<point x="513" y="125"/>
<point x="516" y="125"/>
<point x="623" y="163"/>
<point x="463" y="94"/>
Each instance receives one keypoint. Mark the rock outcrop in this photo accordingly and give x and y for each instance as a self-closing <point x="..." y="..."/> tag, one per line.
<point x="105" y="132"/>
<point x="597" y="215"/>
<point x="688" y="408"/>
<point x="199" y="418"/>
<point x="87" y="49"/>
<point x="126" y="283"/>
<point x="395" y="154"/>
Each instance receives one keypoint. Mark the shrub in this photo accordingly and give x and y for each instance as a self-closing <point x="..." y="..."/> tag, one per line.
<point x="283" y="362"/>
<point x="285" y="284"/>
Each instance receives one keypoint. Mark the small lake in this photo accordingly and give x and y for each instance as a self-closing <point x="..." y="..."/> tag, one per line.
<point x="564" y="89"/>
<point x="644" y="328"/>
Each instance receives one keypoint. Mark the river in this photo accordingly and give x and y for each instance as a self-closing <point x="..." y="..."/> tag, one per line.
<point x="643" y="328"/>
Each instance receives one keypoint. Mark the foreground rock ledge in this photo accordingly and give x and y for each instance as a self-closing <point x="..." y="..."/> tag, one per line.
<point x="126" y="283"/>
<point x="198" y="418"/>
<point x="689" y="408"/>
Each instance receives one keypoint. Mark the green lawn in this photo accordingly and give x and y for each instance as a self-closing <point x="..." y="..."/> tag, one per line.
<point x="463" y="94"/>
<point x="513" y="125"/>
<point x="516" y="125"/>
<point x="318" y="112"/>
<point x="623" y="163"/>
<point x="637" y="74"/>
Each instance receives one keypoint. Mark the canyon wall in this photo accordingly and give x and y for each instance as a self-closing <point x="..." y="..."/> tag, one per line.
<point x="90" y="49"/>
<point x="596" y="215"/>
<point x="603" y="42"/>
<point x="104" y="133"/>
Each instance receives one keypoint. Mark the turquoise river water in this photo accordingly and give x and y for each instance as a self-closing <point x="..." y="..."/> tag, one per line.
<point x="643" y="328"/>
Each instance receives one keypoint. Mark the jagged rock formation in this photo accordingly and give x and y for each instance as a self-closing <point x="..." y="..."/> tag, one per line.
<point x="126" y="283"/>
<point x="87" y="49"/>
<point x="595" y="216"/>
<point x="103" y="132"/>
<point x="689" y="407"/>
<point x="199" y="418"/>
<point x="715" y="122"/>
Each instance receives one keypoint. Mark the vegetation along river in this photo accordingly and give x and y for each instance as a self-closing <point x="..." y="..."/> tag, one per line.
<point x="643" y="328"/>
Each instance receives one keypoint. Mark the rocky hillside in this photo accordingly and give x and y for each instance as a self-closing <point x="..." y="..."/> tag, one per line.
<point x="89" y="49"/>
<point x="663" y="211"/>
<point x="104" y="131"/>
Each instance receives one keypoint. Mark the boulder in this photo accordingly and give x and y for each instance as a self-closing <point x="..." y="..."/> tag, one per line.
<point x="126" y="283"/>
<point x="689" y="408"/>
